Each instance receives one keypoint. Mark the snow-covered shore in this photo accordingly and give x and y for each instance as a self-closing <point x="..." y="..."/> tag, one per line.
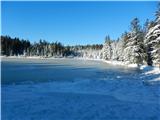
<point x="151" y="72"/>
<point x="113" y="62"/>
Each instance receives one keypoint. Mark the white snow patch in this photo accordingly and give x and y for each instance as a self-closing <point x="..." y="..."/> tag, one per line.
<point x="133" y="65"/>
<point x="126" y="64"/>
<point x="151" y="75"/>
<point x="150" y="70"/>
<point x="156" y="80"/>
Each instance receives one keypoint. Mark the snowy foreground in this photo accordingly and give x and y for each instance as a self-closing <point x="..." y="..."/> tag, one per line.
<point x="68" y="89"/>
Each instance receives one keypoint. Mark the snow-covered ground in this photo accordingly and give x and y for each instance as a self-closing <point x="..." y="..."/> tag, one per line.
<point x="153" y="73"/>
<point x="71" y="89"/>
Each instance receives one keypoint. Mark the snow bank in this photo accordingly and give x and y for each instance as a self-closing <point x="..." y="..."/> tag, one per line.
<point x="82" y="58"/>
<point x="33" y="57"/>
<point x="126" y="64"/>
<point x="153" y="73"/>
<point x="150" y="70"/>
<point x="114" y="62"/>
<point x="30" y="57"/>
<point x="154" y="81"/>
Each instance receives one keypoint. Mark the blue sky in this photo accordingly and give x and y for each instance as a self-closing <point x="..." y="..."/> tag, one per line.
<point x="72" y="22"/>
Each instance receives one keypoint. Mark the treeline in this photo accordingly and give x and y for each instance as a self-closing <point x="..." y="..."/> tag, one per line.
<point x="15" y="46"/>
<point x="140" y="45"/>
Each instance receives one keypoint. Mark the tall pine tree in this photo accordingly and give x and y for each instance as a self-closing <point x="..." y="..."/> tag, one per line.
<point x="107" y="50"/>
<point x="135" y="47"/>
<point x="152" y="40"/>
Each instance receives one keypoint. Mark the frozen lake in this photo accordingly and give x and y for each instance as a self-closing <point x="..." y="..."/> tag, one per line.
<point x="70" y="89"/>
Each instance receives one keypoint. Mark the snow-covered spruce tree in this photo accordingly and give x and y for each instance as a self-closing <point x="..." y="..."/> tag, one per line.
<point x="107" y="49"/>
<point x="116" y="50"/>
<point x="123" y="43"/>
<point x="119" y="50"/>
<point x="134" y="49"/>
<point x="114" y="55"/>
<point x="152" y="41"/>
